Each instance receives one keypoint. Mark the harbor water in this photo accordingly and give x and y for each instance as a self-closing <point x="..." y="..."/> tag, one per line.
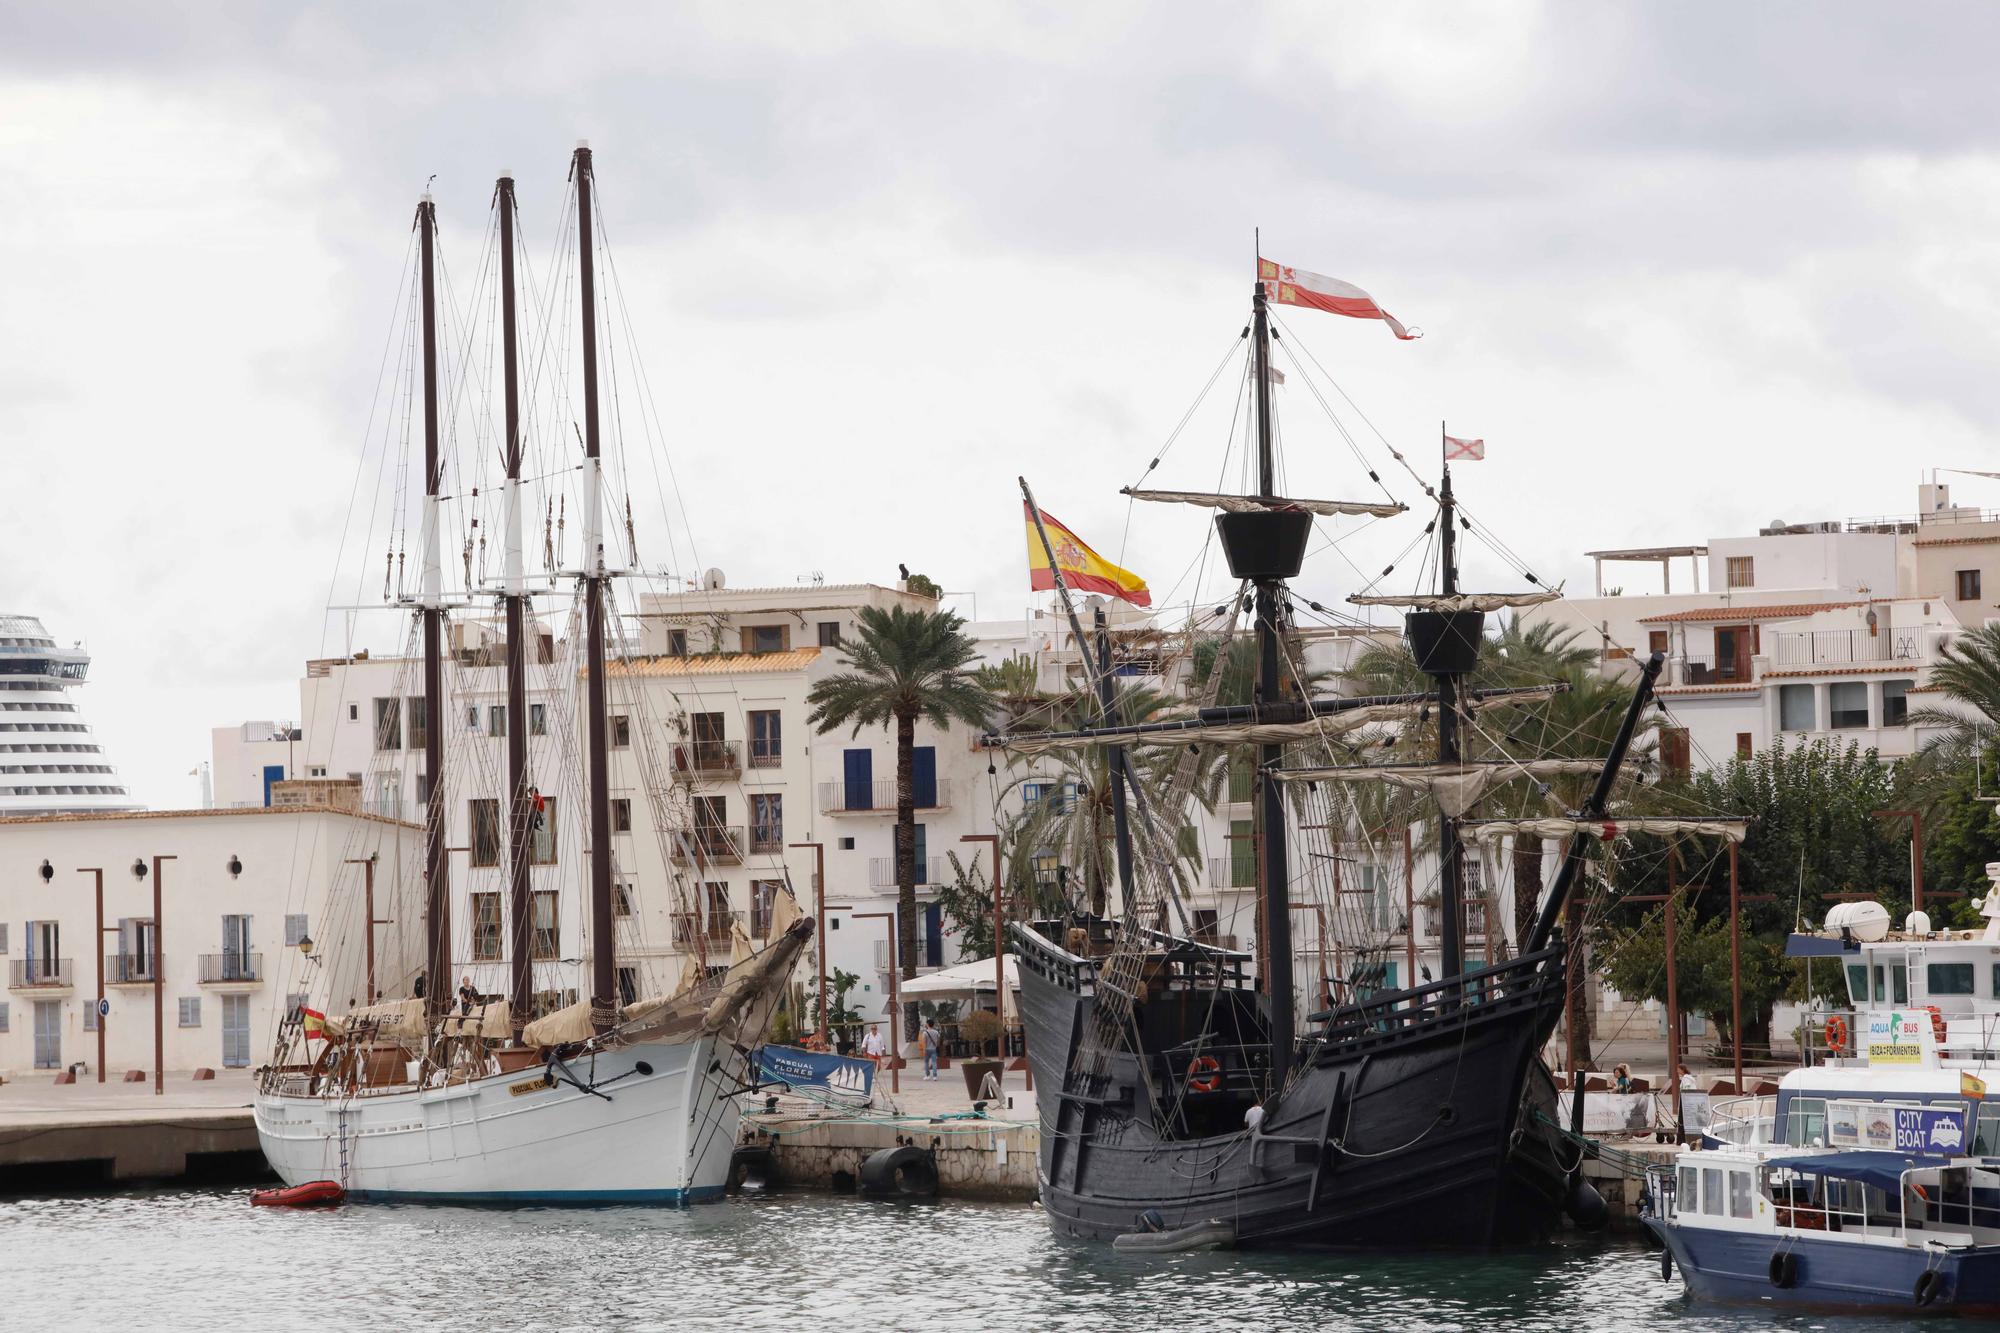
<point x="204" y="1259"/>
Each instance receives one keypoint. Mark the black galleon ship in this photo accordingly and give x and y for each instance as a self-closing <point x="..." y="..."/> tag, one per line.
<point x="1180" y="1096"/>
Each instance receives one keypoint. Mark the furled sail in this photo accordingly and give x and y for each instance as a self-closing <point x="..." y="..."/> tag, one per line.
<point x="1490" y="830"/>
<point x="1242" y="726"/>
<point x="1455" y="787"/>
<point x="1248" y="504"/>
<point x="1463" y="601"/>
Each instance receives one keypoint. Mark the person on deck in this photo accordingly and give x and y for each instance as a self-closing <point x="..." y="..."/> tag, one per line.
<point x="932" y="1039"/>
<point x="468" y="995"/>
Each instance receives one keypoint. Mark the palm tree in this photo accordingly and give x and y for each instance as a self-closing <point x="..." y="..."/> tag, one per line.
<point x="1968" y="675"/>
<point x="1073" y="819"/>
<point x="903" y="665"/>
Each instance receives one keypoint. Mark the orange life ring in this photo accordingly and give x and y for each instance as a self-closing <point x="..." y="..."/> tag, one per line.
<point x="1204" y="1074"/>
<point x="1836" y="1035"/>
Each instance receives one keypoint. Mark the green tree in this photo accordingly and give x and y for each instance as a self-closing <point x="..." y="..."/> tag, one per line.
<point x="1967" y="674"/>
<point x="903" y="665"/>
<point x="1813" y="835"/>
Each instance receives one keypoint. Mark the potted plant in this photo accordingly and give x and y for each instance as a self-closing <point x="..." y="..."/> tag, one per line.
<point x="979" y="1027"/>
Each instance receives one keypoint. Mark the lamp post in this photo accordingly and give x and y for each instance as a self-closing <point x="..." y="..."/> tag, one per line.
<point x="159" y="980"/>
<point x="98" y="872"/>
<point x="819" y="920"/>
<point x="895" y="1011"/>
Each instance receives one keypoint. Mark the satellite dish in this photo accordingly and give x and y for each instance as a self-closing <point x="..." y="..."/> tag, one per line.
<point x="711" y="580"/>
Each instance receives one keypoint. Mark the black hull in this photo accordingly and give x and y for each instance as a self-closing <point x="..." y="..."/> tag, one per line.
<point x="1430" y="1129"/>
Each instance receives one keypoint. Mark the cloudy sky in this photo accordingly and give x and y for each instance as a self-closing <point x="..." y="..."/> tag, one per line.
<point x="1686" y="268"/>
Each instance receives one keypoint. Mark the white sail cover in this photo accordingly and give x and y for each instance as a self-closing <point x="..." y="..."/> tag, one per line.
<point x="1463" y="601"/>
<point x="1490" y="830"/>
<point x="1255" y="733"/>
<point x="1252" y="504"/>
<point x="1455" y="787"/>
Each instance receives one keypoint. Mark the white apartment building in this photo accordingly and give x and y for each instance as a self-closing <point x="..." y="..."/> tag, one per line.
<point x="249" y="759"/>
<point x="239" y="890"/>
<point x="1807" y="630"/>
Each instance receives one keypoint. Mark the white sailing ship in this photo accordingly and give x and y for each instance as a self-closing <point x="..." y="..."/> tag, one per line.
<point x="619" y="1096"/>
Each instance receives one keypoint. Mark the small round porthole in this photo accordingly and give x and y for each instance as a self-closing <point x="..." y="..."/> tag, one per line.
<point x="643" y="1068"/>
<point x="1446" y="1115"/>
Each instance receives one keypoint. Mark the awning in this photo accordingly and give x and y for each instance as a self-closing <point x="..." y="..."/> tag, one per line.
<point x="964" y="981"/>
<point x="1883" y="1170"/>
<point x="1816" y="946"/>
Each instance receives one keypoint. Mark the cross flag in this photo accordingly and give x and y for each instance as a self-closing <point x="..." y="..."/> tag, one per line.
<point x="1470" y="450"/>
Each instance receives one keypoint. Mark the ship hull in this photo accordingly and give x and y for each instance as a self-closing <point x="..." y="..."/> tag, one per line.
<point x="1734" y="1268"/>
<point x="661" y="1138"/>
<point x="1438" y="1135"/>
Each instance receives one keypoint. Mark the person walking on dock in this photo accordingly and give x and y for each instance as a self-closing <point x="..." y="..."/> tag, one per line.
<point x="871" y="1045"/>
<point x="932" y="1039"/>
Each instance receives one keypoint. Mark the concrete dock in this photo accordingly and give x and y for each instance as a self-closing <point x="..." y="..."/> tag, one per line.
<point x="819" y="1146"/>
<point x="89" y="1135"/>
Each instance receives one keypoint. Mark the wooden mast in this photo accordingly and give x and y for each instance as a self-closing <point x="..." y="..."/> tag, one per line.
<point x="1273" y="866"/>
<point x="437" y="896"/>
<point x="1451" y="885"/>
<point x="603" y="963"/>
<point x="520" y="818"/>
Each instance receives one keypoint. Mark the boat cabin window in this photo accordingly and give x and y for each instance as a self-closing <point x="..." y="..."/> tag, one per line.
<point x="1857" y="981"/>
<point x="1739" y="1194"/>
<point x="1986" y="1132"/>
<point x="1805" y="1122"/>
<point x="1685" y="1193"/>
<point x="1996" y="981"/>
<point x="1711" y="1191"/>
<point x="1898" y="978"/>
<point x="1949" y="978"/>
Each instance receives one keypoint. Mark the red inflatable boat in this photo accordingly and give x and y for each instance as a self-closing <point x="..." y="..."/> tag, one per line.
<point x="311" y="1194"/>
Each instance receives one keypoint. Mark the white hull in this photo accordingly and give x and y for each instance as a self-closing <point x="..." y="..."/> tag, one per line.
<point x="664" y="1137"/>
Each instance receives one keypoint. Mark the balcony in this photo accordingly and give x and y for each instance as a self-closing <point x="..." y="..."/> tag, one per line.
<point x="712" y="760"/>
<point x="130" y="969"/>
<point x="766" y="838"/>
<point x="1228" y="872"/>
<point x="42" y="974"/>
<point x="882" y="871"/>
<point x="223" y="969"/>
<point x="713" y="931"/>
<point x="1847" y="647"/>
<point x="877" y="798"/>
<point x="1702" y="669"/>
<point x="709" y="844"/>
<point x="766" y="754"/>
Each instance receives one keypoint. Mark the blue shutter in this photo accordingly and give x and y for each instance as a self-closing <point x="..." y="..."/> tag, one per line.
<point x="859" y="769"/>
<point x="923" y="865"/>
<point x="933" y="935"/>
<point x="923" y="761"/>
<point x="272" y="773"/>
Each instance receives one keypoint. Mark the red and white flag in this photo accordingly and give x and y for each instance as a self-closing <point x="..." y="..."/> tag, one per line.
<point x="1316" y="291"/>
<point x="1454" y="447"/>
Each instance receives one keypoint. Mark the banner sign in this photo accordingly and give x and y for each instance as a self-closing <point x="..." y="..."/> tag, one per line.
<point x="1936" y="1131"/>
<point x="1898" y="1036"/>
<point x="842" y="1077"/>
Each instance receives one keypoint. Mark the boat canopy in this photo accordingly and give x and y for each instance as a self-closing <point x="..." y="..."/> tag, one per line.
<point x="1816" y="946"/>
<point x="1883" y="1170"/>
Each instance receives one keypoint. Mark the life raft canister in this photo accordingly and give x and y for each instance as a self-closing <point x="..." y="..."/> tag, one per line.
<point x="1204" y="1074"/>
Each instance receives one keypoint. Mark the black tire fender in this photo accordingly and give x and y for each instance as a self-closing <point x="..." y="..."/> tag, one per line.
<point x="1784" y="1270"/>
<point x="908" y="1172"/>
<point x="1930" y="1286"/>
<point x="1666" y="1265"/>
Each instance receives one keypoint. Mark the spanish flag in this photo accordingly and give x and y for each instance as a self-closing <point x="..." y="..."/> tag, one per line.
<point x="315" y="1023"/>
<point x="1083" y="569"/>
